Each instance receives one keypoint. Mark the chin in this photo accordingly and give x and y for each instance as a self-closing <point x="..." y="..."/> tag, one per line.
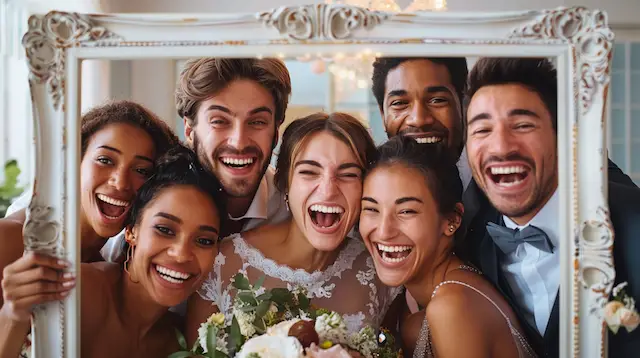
<point x="325" y="243"/>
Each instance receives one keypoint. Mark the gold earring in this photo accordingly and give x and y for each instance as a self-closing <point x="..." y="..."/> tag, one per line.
<point x="130" y="252"/>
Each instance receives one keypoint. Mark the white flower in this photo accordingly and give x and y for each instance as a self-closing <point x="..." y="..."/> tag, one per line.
<point x="331" y="327"/>
<point x="272" y="347"/>
<point x="282" y="329"/>
<point x="617" y="289"/>
<point x="221" y="341"/>
<point x="629" y="319"/>
<point x="612" y="315"/>
<point x="245" y="321"/>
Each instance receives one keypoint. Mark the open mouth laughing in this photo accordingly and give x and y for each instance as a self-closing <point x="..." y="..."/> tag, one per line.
<point x="393" y="254"/>
<point x="112" y="208"/>
<point x="507" y="177"/>
<point x="171" y="276"/>
<point x="236" y="163"/>
<point x="428" y="140"/>
<point x="326" y="218"/>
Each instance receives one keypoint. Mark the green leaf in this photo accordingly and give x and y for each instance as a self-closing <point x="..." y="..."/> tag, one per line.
<point x="246" y="308"/>
<point x="262" y="309"/>
<point x="212" y="337"/>
<point x="241" y="282"/>
<point x="181" y="341"/>
<point x="248" y="298"/>
<point x="235" y="338"/>
<point x="265" y="296"/>
<point x="259" y="283"/>
<point x="259" y="325"/>
<point x="303" y="301"/>
<point x="181" y="354"/>
<point x="281" y="295"/>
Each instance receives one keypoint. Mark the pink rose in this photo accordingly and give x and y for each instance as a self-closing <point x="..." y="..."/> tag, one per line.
<point x="629" y="319"/>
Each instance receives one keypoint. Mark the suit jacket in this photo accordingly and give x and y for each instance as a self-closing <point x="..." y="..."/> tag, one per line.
<point x="624" y="206"/>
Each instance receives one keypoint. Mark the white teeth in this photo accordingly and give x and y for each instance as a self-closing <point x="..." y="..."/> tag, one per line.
<point x="112" y="201"/>
<point x="386" y="248"/>
<point x="171" y="275"/>
<point x="235" y="161"/>
<point x="507" y="170"/>
<point x="510" y="184"/>
<point x="393" y="260"/>
<point x="327" y="209"/>
<point x="424" y="140"/>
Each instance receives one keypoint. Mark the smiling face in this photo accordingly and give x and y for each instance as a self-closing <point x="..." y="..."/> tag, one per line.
<point x="234" y="135"/>
<point x="420" y="101"/>
<point x="118" y="160"/>
<point x="324" y="190"/>
<point x="511" y="146"/>
<point x="400" y="224"/>
<point x="175" y="243"/>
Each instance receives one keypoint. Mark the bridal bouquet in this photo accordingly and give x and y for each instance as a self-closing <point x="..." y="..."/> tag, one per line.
<point x="282" y="323"/>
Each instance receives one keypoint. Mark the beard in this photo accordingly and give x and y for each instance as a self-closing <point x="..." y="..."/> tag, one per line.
<point x="233" y="187"/>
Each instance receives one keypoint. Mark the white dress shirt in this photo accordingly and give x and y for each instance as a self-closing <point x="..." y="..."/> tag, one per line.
<point x="533" y="274"/>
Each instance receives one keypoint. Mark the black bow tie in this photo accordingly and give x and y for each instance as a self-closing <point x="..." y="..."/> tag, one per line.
<point x="508" y="239"/>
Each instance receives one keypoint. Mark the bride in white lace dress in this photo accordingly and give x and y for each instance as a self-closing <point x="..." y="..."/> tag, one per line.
<point x="320" y="167"/>
<point x="411" y="210"/>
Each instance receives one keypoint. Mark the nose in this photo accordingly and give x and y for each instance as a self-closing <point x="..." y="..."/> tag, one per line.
<point x="120" y="179"/>
<point x="420" y="115"/>
<point x="387" y="227"/>
<point x="502" y="141"/>
<point x="238" y="137"/>
<point x="327" y="187"/>
<point x="181" y="251"/>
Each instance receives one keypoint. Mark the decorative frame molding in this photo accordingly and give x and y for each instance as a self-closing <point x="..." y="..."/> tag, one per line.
<point x="579" y="39"/>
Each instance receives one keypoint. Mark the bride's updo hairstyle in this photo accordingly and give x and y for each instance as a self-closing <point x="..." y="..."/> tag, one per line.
<point x="436" y="163"/>
<point x="179" y="166"/>
<point x="340" y="125"/>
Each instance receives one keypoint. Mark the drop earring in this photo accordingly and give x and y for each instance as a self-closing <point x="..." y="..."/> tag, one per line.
<point x="451" y="228"/>
<point x="130" y="252"/>
<point x="286" y="200"/>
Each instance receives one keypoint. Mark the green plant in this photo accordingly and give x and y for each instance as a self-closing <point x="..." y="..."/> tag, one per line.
<point x="9" y="189"/>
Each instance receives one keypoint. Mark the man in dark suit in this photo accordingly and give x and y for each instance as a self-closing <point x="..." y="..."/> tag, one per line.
<point x="511" y="146"/>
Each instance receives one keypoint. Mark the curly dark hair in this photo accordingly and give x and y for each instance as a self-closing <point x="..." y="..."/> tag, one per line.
<point x="131" y="113"/>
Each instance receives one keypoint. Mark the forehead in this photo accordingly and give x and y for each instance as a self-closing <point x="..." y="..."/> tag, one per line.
<point x="416" y="75"/>
<point x="241" y="93"/>
<point x="173" y="199"/>
<point x="324" y="147"/>
<point x="398" y="181"/>
<point x="122" y="136"/>
<point x="504" y="98"/>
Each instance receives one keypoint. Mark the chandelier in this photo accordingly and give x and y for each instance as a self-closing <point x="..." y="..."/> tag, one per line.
<point x="353" y="71"/>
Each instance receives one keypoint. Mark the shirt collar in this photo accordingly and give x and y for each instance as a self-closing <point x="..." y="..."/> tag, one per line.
<point x="546" y="219"/>
<point x="259" y="206"/>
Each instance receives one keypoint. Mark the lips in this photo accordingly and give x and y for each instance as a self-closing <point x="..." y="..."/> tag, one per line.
<point x="112" y="208"/>
<point x="326" y="217"/>
<point x="171" y="276"/>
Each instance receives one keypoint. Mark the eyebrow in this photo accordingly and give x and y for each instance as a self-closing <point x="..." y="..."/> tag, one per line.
<point x="142" y="157"/>
<point x="428" y="89"/>
<point x="215" y="107"/>
<point x="316" y="164"/>
<point x="179" y="221"/>
<point x="513" y="112"/>
<point x="398" y="201"/>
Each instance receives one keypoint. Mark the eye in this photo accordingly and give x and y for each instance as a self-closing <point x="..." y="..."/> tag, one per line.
<point x="258" y="122"/>
<point x="524" y="126"/>
<point x="307" y="172"/>
<point x="369" y="209"/>
<point x="145" y="172"/>
<point x="164" y="230"/>
<point x="350" y="175"/>
<point x="399" y="103"/>
<point x="104" y="160"/>
<point x="439" y="100"/>
<point x="218" y="121"/>
<point x="205" y="241"/>
<point x="481" y="131"/>
<point x="407" y="212"/>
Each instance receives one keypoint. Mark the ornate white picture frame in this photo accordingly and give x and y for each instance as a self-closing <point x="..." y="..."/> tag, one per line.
<point x="579" y="39"/>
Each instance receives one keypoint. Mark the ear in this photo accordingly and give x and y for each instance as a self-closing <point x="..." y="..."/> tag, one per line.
<point x="454" y="220"/>
<point x="130" y="236"/>
<point x="189" y="132"/>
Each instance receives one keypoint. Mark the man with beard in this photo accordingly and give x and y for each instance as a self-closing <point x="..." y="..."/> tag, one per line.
<point x="420" y="97"/>
<point x="232" y="109"/>
<point x="511" y="116"/>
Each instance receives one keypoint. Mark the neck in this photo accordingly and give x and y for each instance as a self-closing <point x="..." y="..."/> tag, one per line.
<point x="91" y="244"/>
<point x="422" y="286"/>
<point x="137" y="308"/>
<point x="307" y="257"/>
<point x="238" y="206"/>
<point x="525" y="219"/>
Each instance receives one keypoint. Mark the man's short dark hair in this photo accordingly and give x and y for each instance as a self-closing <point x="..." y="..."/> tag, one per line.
<point x="457" y="67"/>
<point x="537" y="74"/>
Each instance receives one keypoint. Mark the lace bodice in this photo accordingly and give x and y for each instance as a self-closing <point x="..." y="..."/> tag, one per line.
<point x="349" y="286"/>
<point x="424" y="347"/>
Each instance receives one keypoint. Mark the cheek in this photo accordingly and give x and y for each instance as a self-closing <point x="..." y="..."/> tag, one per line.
<point x="205" y="257"/>
<point x="353" y="195"/>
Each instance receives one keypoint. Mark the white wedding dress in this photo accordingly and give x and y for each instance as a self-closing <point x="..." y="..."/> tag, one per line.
<point x="349" y="286"/>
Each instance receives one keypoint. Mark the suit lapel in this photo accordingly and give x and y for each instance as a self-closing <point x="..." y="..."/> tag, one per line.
<point x="552" y="333"/>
